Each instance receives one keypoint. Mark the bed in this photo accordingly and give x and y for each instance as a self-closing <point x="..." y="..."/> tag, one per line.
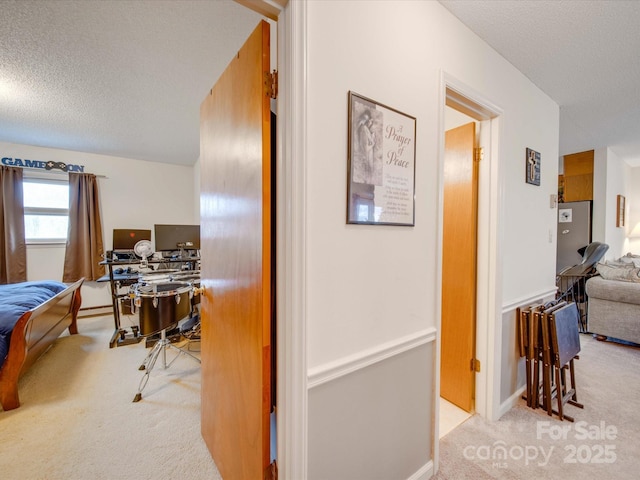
<point x="32" y="316"/>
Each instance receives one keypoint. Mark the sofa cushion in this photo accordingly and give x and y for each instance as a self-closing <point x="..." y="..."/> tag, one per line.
<point x="613" y="290"/>
<point x="625" y="272"/>
<point x="630" y="258"/>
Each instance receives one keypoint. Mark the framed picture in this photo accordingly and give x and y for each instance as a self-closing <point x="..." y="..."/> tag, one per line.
<point x="565" y="215"/>
<point x="532" y="163"/>
<point x="381" y="164"/>
<point x="620" y="211"/>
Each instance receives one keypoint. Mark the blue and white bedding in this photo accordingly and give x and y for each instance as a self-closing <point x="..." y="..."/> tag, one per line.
<point x="17" y="298"/>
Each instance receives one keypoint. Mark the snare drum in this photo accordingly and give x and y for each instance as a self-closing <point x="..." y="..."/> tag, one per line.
<point x="156" y="276"/>
<point x="186" y="276"/>
<point x="162" y="305"/>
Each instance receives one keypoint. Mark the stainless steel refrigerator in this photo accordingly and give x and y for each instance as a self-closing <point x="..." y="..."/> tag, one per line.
<point x="574" y="232"/>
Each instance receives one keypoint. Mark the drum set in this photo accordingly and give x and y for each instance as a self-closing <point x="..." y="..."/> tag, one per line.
<point x="164" y="298"/>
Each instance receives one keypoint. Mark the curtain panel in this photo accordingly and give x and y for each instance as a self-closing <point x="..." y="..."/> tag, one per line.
<point x="13" y="248"/>
<point x="84" y="242"/>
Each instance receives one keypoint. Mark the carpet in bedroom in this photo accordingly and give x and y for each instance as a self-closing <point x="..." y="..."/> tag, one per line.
<point x="77" y="419"/>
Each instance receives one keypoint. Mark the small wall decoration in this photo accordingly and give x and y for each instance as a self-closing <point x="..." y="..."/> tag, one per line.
<point x="41" y="164"/>
<point x="620" y="211"/>
<point x="381" y="164"/>
<point x="533" y="167"/>
<point x="565" y="215"/>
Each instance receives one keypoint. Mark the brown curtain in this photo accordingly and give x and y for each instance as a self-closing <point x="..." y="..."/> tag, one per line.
<point x="84" y="242"/>
<point x="13" y="248"/>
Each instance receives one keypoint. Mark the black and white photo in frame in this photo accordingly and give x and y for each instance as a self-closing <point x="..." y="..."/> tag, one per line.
<point x="381" y="164"/>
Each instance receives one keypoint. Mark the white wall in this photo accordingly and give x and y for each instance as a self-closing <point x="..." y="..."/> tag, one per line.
<point x="633" y="200"/>
<point x="370" y="289"/>
<point x="134" y="194"/>
<point x="196" y="191"/>
<point x="599" y="221"/>
<point x="613" y="177"/>
<point x="453" y="118"/>
<point x="617" y="184"/>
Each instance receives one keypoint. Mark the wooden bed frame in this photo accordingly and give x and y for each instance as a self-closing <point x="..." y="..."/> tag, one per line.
<point x="33" y="334"/>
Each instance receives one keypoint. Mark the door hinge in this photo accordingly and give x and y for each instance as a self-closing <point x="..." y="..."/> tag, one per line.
<point x="478" y="154"/>
<point x="271" y="84"/>
<point x="475" y="365"/>
<point x="271" y="472"/>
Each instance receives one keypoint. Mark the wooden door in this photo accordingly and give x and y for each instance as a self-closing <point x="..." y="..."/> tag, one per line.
<point x="236" y="263"/>
<point x="457" y="375"/>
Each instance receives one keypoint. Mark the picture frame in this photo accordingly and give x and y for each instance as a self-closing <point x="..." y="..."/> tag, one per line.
<point x="380" y="164"/>
<point x="532" y="167"/>
<point x="565" y="215"/>
<point x="620" y="206"/>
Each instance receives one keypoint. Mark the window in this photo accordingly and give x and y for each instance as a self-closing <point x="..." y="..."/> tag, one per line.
<point x="46" y="210"/>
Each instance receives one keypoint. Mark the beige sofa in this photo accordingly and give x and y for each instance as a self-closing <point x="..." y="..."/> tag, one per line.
<point x="614" y="300"/>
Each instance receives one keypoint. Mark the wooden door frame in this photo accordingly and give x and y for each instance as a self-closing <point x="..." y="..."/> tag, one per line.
<point x="291" y="144"/>
<point x="489" y="285"/>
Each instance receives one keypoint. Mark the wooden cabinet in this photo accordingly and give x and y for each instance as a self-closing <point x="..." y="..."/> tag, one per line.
<point x="577" y="182"/>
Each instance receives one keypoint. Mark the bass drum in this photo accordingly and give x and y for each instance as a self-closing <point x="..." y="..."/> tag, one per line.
<point x="162" y="305"/>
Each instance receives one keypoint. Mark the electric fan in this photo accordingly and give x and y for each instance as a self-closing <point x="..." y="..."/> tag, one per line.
<point x="143" y="250"/>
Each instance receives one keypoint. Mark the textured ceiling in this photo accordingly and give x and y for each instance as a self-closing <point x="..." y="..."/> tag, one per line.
<point x="126" y="77"/>
<point x="123" y="78"/>
<point x="584" y="54"/>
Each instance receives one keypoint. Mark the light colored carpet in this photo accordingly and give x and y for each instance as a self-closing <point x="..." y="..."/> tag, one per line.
<point x="528" y="444"/>
<point x="77" y="419"/>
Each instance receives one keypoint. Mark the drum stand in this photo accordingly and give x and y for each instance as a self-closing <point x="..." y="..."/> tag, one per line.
<point x="149" y="362"/>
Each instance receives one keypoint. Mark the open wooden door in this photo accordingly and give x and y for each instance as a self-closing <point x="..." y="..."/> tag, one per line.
<point x="459" y="260"/>
<point x="236" y="264"/>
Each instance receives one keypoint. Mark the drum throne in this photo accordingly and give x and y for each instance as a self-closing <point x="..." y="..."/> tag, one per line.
<point x="162" y="307"/>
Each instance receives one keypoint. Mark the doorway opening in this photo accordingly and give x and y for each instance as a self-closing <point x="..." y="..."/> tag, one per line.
<point x="468" y="259"/>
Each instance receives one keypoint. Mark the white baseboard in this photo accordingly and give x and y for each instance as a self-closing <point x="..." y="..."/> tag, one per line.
<point x="512" y="401"/>
<point x="95" y="311"/>
<point x="424" y="473"/>
<point x="343" y="366"/>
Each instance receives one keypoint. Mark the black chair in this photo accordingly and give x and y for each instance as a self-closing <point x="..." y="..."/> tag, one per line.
<point x="593" y="253"/>
<point x="571" y="281"/>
